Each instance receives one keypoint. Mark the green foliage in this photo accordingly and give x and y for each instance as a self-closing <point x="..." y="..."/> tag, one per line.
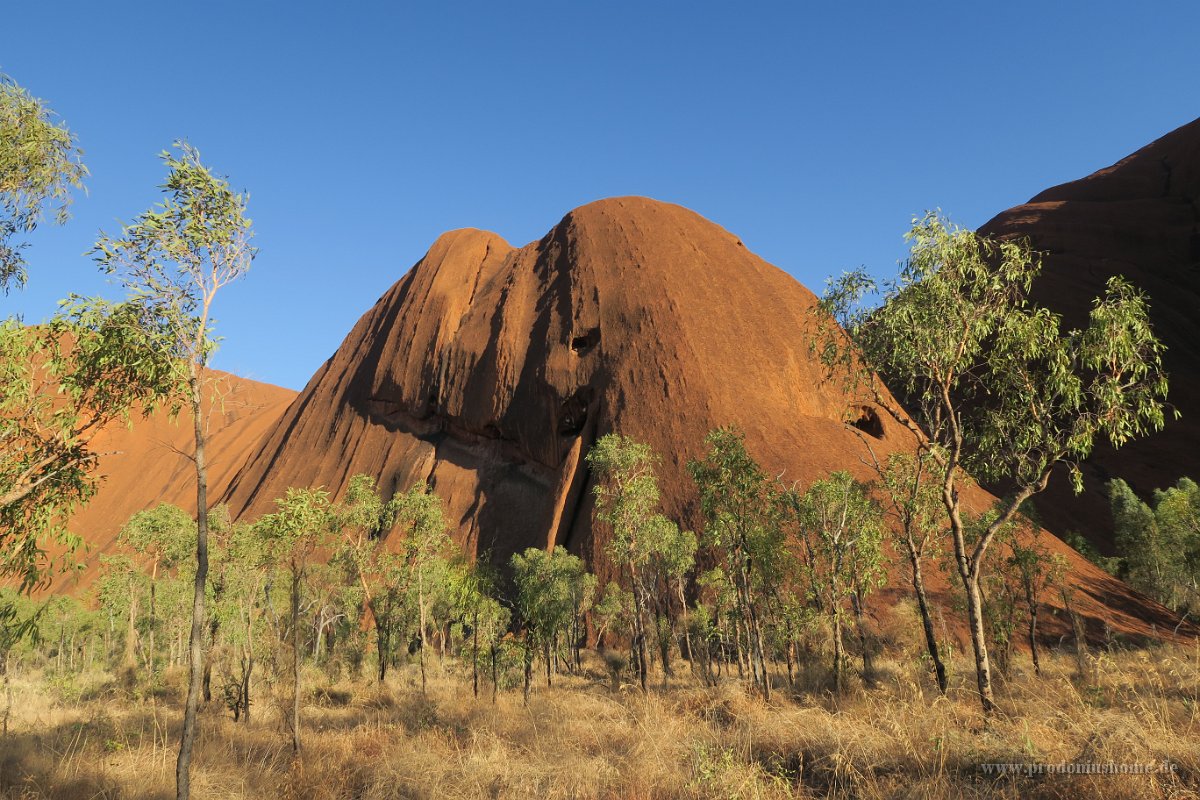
<point x="60" y="384"/>
<point x="844" y="526"/>
<point x="613" y="612"/>
<point x="1159" y="548"/>
<point x="407" y="578"/>
<point x="1079" y="543"/>
<point x="987" y="373"/>
<point x="739" y="504"/>
<point x="743" y="530"/>
<point x="166" y="534"/>
<point x="994" y="384"/>
<point x="911" y="491"/>
<point x="19" y="621"/>
<point x="843" y="531"/>
<point x="650" y="549"/>
<point x="550" y="588"/>
<point x="302" y="522"/>
<point x="174" y="257"/>
<point x="40" y="165"/>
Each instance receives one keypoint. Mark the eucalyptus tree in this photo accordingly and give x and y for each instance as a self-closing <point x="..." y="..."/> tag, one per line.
<point x="40" y="166"/>
<point x="118" y="590"/>
<point x="547" y="585"/>
<point x="672" y="556"/>
<point x="164" y="536"/>
<point x="742" y="527"/>
<point x="240" y="607"/>
<point x="62" y="383"/>
<point x="715" y="613"/>
<point x="846" y="529"/>
<point x="475" y="596"/>
<point x="995" y="385"/>
<point x="362" y="519"/>
<point x="627" y="499"/>
<point x="1158" y="545"/>
<point x="1035" y="569"/>
<point x="303" y="523"/>
<point x="911" y="495"/>
<point x="384" y="581"/>
<point x="423" y="545"/>
<point x="1177" y="515"/>
<point x="613" y="612"/>
<point x="174" y="259"/>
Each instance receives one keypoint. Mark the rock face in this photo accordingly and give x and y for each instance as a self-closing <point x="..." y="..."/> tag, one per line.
<point x="488" y="371"/>
<point x="144" y="465"/>
<point x="1139" y="218"/>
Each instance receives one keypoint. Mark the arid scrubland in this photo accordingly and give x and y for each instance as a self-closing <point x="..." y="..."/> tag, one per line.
<point x="84" y="736"/>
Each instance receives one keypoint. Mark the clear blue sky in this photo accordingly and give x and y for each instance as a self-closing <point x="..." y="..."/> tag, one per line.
<point x="365" y="129"/>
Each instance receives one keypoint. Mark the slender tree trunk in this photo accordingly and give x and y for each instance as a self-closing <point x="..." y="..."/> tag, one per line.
<point x="968" y="570"/>
<point x="754" y="646"/>
<point x="214" y="626"/>
<point x="931" y="644"/>
<point x="248" y="660"/>
<point x="494" y="680"/>
<point x="475" y="655"/>
<point x="1032" y="603"/>
<point x="861" y="626"/>
<point x="295" y="661"/>
<point x="763" y="670"/>
<point x="983" y="667"/>
<point x="246" y="674"/>
<point x="790" y="652"/>
<point x="183" y="764"/>
<point x="130" y="659"/>
<point x="837" y="650"/>
<point x="743" y="666"/>
<point x="687" y="629"/>
<point x="382" y="646"/>
<point x="639" y="623"/>
<point x="664" y="645"/>
<point x="528" y="666"/>
<point x="153" y="617"/>
<point x="421" y="642"/>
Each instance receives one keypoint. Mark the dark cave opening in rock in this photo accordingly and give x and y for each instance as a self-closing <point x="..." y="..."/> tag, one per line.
<point x="868" y="422"/>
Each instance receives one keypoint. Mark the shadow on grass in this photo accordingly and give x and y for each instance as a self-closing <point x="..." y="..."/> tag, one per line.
<point x="76" y="759"/>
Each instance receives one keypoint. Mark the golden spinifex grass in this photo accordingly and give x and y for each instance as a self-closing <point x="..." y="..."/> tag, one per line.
<point x="580" y="739"/>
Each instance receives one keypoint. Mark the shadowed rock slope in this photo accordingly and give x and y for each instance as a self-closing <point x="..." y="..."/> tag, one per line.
<point x="488" y="371"/>
<point x="1139" y="218"/>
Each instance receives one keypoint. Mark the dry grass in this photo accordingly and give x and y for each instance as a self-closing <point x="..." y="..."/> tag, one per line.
<point x="580" y="740"/>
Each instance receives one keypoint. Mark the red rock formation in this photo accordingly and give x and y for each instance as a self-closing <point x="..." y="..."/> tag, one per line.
<point x="1139" y="218"/>
<point x="488" y="371"/>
